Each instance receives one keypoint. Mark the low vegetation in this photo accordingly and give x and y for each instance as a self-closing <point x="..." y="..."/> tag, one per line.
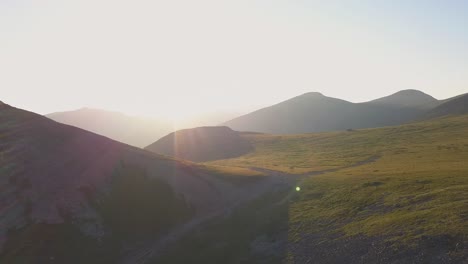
<point x="55" y="243"/>
<point x="138" y="206"/>
<point x="319" y="151"/>
<point x="235" y="175"/>
<point x="414" y="197"/>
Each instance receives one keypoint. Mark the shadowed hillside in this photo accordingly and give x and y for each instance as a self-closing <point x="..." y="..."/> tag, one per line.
<point x="71" y="196"/>
<point x="202" y="144"/>
<point x="455" y="106"/>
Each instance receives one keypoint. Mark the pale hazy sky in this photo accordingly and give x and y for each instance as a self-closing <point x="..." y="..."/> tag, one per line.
<point x="157" y="57"/>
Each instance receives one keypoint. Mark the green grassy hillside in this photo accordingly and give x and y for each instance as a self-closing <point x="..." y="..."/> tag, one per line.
<point x="409" y="205"/>
<point x="314" y="152"/>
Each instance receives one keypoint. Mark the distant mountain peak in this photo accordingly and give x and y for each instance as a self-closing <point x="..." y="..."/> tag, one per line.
<point x="90" y="109"/>
<point x="411" y="92"/>
<point x="407" y="98"/>
<point x="85" y="108"/>
<point x="316" y="94"/>
<point x="206" y="128"/>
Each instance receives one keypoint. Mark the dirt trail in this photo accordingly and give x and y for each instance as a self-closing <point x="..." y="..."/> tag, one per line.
<point x="274" y="180"/>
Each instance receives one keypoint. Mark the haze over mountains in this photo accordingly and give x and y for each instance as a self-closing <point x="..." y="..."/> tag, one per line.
<point x="314" y="112"/>
<point x="132" y="130"/>
<point x="127" y="129"/>
<point x="307" y="113"/>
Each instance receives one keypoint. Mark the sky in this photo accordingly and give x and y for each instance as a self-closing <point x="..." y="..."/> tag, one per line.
<point x="177" y="58"/>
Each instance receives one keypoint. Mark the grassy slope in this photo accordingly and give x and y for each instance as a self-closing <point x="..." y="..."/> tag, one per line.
<point x="304" y="153"/>
<point x="313" y="152"/>
<point x="419" y="186"/>
<point x="417" y="190"/>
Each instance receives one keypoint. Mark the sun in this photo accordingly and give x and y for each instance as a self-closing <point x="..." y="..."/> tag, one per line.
<point x="163" y="111"/>
<point x="181" y="111"/>
<point x="177" y="115"/>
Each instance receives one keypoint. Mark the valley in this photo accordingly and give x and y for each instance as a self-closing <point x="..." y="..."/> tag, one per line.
<point x="391" y="194"/>
<point x="233" y="132"/>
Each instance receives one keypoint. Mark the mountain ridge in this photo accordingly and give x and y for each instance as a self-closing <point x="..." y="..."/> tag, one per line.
<point x="314" y="112"/>
<point x="457" y="105"/>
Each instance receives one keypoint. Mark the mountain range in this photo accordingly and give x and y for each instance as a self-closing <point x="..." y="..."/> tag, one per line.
<point x="314" y="112"/>
<point x="307" y="113"/>
<point x="296" y="116"/>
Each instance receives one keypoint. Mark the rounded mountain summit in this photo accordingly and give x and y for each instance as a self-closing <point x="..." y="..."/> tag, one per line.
<point x="202" y="144"/>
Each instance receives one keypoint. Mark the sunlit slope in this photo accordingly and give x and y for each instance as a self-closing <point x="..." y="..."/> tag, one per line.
<point x="78" y="197"/>
<point x="314" y="152"/>
<point x="410" y="205"/>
